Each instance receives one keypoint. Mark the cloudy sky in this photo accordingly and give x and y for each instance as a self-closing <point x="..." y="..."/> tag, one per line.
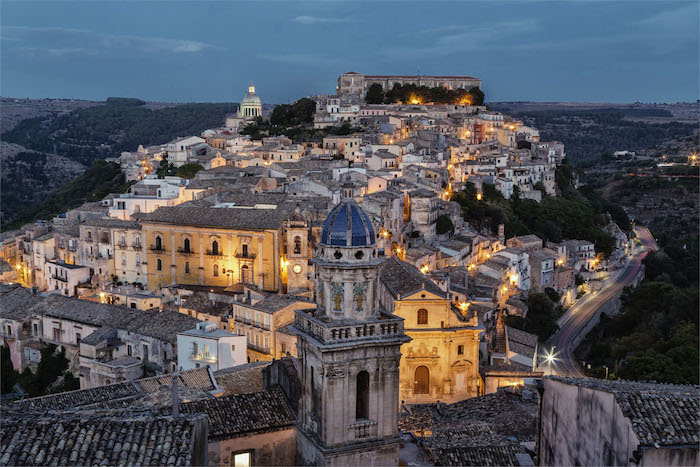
<point x="588" y="50"/>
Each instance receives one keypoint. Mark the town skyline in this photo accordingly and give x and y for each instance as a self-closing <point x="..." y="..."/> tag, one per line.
<point x="602" y="54"/>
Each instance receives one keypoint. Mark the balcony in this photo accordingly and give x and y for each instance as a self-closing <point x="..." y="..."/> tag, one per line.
<point x="364" y="428"/>
<point x="159" y="250"/>
<point x="242" y="319"/>
<point x="122" y="245"/>
<point x="218" y="254"/>
<point x="250" y="256"/>
<point x="200" y="357"/>
<point x="259" y="348"/>
<point x="184" y="252"/>
<point x="88" y="240"/>
<point x="136" y="246"/>
<point x="387" y="326"/>
<point x="72" y="248"/>
<point x="59" y="278"/>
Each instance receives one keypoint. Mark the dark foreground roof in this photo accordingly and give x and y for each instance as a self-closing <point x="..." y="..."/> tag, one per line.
<point x="660" y="414"/>
<point x="244" y="414"/>
<point x="478" y="455"/>
<point x="91" y="439"/>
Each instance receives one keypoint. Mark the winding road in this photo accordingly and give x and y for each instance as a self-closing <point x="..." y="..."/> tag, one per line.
<point x="575" y="319"/>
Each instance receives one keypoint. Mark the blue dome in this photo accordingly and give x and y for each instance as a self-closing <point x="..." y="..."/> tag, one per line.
<point x="348" y="225"/>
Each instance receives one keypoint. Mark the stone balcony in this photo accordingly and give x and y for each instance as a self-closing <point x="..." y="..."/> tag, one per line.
<point x="334" y="332"/>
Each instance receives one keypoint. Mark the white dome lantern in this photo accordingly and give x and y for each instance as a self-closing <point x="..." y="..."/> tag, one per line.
<point x="251" y="105"/>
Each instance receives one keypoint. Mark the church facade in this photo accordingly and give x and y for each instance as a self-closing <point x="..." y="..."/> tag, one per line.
<point x="350" y="352"/>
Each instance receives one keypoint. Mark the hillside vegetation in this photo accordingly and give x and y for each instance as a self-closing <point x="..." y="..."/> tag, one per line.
<point x="119" y="125"/>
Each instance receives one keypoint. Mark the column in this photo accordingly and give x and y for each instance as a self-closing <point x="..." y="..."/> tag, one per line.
<point x="260" y="265"/>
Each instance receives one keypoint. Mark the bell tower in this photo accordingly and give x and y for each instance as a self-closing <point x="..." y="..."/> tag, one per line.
<point x="350" y="352"/>
<point x="298" y="252"/>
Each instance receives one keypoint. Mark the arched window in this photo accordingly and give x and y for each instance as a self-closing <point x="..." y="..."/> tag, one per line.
<point x="216" y="270"/>
<point x="187" y="267"/>
<point x="422" y="316"/>
<point x="214" y="247"/>
<point x="137" y="241"/>
<point x="159" y="264"/>
<point x="159" y="243"/>
<point x="122" y="240"/>
<point x="362" y="396"/>
<point x="421" y="383"/>
<point x="186" y="245"/>
<point x="297" y="245"/>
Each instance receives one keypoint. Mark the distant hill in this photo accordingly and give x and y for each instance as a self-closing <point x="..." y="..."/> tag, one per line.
<point x="590" y="130"/>
<point x="120" y="124"/>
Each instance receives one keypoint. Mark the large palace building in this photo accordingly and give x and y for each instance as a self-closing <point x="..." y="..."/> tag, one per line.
<point x="353" y="85"/>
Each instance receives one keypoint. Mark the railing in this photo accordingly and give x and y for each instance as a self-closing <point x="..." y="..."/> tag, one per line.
<point x="158" y="250"/>
<point x="136" y="246"/>
<point x="72" y="248"/>
<point x="259" y="348"/>
<point x="363" y="428"/>
<point x="88" y="240"/>
<point x="122" y="245"/>
<point x="184" y="252"/>
<point x="61" y="246"/>
<point x="330" y="333"/>
<point x="59" y="278"/>
<point x="218" y="253"/>
<point x="245" y="255"/>
<point x="242" y="319"/>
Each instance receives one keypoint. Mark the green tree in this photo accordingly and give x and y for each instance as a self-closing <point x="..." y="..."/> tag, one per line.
<point x="8" y="374"/>
<point x="477" y="96"/>
<point x="375" y="94"/>
<point x="188" y="170"/>
<point x="541" y="318"/>
<point x="444" y="224"/>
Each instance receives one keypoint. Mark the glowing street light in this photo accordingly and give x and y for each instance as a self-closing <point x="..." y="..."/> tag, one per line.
<point x="478" y="196"/>
<point x="19" y="267"/>
<point x="560" y="262"/>
<point x="425" y="269"/>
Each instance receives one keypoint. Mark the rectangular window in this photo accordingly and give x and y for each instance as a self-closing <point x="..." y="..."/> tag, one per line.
<point x="284" y="348"/>
<point x="77" y="338"/>
<point x="145" y="352"/>
<point x="9" y="329"/>
<point x="460" y="350"/>
<point x="129" y="350"/>
<point x="233" y="347"/>
<point x="36" y="329"/>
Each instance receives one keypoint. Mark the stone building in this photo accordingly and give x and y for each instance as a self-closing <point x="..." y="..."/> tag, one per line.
<point x="442" y="360"/>
<point x="587" y="421"/>
<point x="352" y="85"/>
<point x="350" y="352"/>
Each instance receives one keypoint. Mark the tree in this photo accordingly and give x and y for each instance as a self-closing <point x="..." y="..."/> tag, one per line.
<point x="375" y="94"/>
<point x="444" y="224"/>
<point x="540" y="318"/>
<point x="189" y="170"/>
<point x="477" y="96"/>
<point x="8" y="374"/>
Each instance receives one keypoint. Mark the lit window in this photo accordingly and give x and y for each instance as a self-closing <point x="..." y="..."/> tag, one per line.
<point x="241" y="460"/>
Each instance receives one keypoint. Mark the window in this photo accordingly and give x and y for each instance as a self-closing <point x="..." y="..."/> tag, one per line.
<point x="138" y="260"/>
<point x="187" y="267"/>
<point x="36" y="327"/>
<point x="129" y="350"/>
<point x="214" y="247"/>
<point x="186" y="245"/>
<point x="242" y="460"/>
<point x="145" y="352"/>
<point x="9" y="329"/>
<point x="159" y="243"/>
<point x="362" y="396"/>
<point x="421" y="383"/>
<point x="422" y="316"/>
<point x="284" y="348"/>
<point x="195" y="348"/>
<point x="77" y="338"/>
<point x="133" y="304"/>
<point x="123" y="259"/>
<point x="137" y="242"/>
<point x="159" y="264"/>
<point x="297" y="245"/>
<point x="206" y="350"/>
<point x="460" y="350"/>
<point x="244" y="250"/>
<point x="216" y="270"/>
<point x="89" y="235"/>
<point x="122" y="241"/>
<point x="233" y="347"/>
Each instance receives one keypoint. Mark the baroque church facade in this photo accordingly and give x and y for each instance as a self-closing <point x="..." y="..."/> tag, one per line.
<point x="350" y="351"/>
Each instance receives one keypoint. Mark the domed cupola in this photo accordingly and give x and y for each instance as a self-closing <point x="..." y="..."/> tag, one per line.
<point x="348" y="226"/>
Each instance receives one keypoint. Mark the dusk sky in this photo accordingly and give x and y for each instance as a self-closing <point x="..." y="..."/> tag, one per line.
<point x="210" y="51"/>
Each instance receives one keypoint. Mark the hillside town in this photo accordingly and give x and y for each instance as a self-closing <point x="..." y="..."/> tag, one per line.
<point x="321" y="302"/>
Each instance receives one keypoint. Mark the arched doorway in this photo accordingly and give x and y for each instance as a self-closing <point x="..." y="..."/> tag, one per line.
<point x="421" y="382"/>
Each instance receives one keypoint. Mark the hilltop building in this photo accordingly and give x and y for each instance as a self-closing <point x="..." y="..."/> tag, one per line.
<point x="353" y="85"/>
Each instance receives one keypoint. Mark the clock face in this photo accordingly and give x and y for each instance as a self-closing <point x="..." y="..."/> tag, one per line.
<point x="297" y="268"/>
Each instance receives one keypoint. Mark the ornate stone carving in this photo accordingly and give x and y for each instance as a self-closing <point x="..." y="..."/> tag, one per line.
<point x="359" y="291"/>
<point x="335" y="372"/>
<point x="337" y="294"/>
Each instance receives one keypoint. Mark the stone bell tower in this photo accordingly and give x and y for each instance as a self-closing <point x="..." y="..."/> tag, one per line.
<point x="297" y="254"/>
<point x="350" y="352"/>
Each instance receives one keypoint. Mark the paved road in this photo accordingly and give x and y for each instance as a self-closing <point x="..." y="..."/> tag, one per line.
<point x="573" y="321"/>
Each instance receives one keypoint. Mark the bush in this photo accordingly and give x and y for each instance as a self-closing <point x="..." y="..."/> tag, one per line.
<point x="444" y="224"/>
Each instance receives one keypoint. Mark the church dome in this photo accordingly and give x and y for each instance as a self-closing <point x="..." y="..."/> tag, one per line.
<point x="348" y="226"/>
<point x="251" y="99"/>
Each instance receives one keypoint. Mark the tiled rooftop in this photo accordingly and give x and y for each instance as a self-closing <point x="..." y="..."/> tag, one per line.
<point x="241" y="379"/>
<point x="660" y="414"/>
<point x="402" y="279"/>
<point x="244" y="414"/>
<point x="112" y="439"/>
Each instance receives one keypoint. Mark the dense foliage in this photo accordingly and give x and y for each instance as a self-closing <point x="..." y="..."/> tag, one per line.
<point x="375" y="94"/>
<point x="300" y="112"/>
<point x="590" y="134"/>
<point x="540" y="319"/>
<point x="53" y="365"/>
<point x="101" y="179"/>
<point x="119" y="125"/>
<point x="444" y="224"/>
<point x="412" y="94"/>
<point x="569" y="216"/>
<point x="188" y="170"/>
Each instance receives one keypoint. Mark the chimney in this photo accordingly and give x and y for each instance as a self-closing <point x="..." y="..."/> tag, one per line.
<point x="176" y="396"/>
